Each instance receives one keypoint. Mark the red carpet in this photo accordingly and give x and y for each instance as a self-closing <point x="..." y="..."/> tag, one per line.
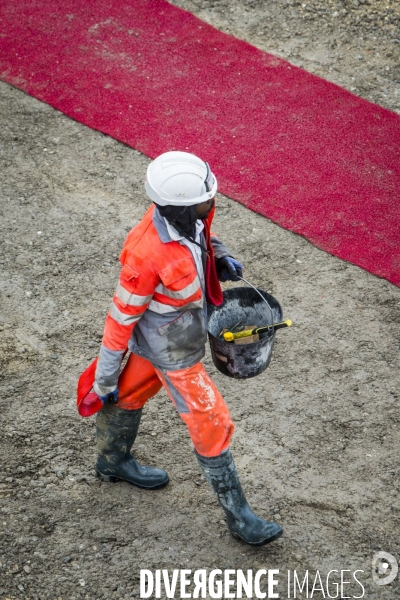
<point x="305" y="153"/>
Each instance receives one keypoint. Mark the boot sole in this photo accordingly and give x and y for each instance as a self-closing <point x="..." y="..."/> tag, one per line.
<point x="263" y="543"/>
<point x="115" y="479"/>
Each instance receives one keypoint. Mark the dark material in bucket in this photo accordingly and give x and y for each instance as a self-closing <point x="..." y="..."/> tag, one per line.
<point x="245" y="307"/>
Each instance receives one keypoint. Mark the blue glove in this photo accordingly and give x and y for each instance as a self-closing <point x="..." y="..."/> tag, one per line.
<point x="229" y="269"/>
<point x="106" y="394"/>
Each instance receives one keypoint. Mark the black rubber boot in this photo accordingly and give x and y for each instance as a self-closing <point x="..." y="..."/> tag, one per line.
<point x="221" y="474"/>
<point x="116" y="430"/>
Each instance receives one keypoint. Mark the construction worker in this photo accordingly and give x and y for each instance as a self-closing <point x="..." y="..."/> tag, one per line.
<point x="171" y="267"/>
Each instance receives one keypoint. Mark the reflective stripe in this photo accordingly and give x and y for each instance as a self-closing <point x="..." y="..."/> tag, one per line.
<point x="122" y="318"/>
<point x="182" y="294"/>
<point x="162" y="309"/>
<point x="131" y="299"/>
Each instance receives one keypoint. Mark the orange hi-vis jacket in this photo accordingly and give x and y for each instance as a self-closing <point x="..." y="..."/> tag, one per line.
<point x="159" y="309"/>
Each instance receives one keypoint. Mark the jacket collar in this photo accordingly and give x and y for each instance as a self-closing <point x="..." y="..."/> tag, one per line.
<point x="161" y="227"/>
<point x="164" y="232"/>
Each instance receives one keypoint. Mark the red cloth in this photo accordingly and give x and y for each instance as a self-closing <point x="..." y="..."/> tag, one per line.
<point x="88" y="403"/>
<point x="309" y="155"/>
<point x="213" y="287"/>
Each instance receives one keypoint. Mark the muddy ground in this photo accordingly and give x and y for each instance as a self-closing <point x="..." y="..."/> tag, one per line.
<point x="316" y="442"/>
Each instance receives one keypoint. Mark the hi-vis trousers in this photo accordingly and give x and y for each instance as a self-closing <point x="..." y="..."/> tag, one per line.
<point x="193" y="393"/>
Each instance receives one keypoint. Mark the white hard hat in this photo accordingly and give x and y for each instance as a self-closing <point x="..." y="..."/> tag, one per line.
<point x="179" y="179"/>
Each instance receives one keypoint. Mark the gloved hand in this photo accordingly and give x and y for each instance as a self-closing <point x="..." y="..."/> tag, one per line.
<point x="106" y="394"/>
<point x="228" y="269"/>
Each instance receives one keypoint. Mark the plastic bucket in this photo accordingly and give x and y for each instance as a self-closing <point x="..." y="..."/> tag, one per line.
<point x="243" y="306"/>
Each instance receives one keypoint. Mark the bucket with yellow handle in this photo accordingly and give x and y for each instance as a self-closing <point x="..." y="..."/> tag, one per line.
<point x="242" y="329"/>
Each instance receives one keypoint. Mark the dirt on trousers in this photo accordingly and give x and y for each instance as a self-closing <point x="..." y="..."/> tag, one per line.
<point x="316" y="441"/>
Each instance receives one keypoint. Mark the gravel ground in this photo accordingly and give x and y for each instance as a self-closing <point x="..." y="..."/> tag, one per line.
<point x="316" y="442"/>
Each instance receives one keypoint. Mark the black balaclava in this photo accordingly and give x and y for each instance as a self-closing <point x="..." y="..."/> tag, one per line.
<point x="183" y="218"/>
